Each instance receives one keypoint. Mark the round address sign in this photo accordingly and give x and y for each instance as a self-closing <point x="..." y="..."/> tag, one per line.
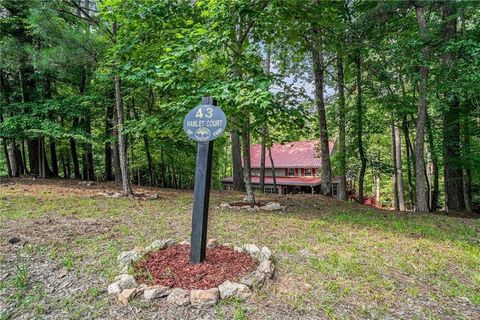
<point x="205" y="123"/>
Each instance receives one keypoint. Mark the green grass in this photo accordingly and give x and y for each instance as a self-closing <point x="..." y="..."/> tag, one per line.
<point x="328" y="254"/>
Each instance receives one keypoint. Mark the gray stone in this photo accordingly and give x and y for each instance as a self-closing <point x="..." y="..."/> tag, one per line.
<point x="265" y="254"/>
<point x="251" y="249"/>
<point x="155" y="292"/>
<point x="114" y="288"/>
<point x="204" y="298"/>
<point x="179" y="297"/>
<point x="267" y="268"/>
<point x="184" y="242"/>
<point x="127" y="257"/>
<point x="154" y="196"/>
<point x="87" y="183"/>
<point x="238" y="249"/>
<point x="272" y="206"/>
<point x="230" y="289"/>
<point x="254" y="280"/>
<point x="225" y="205"/>
<point x="123" y="281"/>
<point x="160" y="244"/>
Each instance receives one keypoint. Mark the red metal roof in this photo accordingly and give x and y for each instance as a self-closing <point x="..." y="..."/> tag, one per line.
<point x="296" y="154"/>
<point x="292" y="181"/>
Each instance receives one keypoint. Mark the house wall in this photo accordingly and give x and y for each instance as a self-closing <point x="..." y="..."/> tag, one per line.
<point x="280" y="172"/>
<point x="268" y="172"/>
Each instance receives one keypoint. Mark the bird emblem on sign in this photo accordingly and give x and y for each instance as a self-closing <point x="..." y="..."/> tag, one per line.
<point x="202" y="134"/>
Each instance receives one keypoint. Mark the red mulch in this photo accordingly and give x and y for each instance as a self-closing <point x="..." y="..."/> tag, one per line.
<point x="171" y="267"/>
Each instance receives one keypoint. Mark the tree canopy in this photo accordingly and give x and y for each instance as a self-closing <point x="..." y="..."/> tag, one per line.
<point x="99" y="89"/>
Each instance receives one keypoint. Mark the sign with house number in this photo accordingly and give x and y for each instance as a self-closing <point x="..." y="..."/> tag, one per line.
<point x="205" y="123"/>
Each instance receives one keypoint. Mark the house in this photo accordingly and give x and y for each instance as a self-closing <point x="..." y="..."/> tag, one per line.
<point x="297" y="168"/>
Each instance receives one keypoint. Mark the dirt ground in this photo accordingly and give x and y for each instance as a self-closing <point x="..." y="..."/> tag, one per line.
<point x="59" y="241"/>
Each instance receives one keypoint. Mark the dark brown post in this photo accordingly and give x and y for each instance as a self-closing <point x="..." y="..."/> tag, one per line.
<point x="201" y="197"/>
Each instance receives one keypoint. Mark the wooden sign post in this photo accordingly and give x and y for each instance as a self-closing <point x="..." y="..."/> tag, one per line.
<point x="203" y="124"/>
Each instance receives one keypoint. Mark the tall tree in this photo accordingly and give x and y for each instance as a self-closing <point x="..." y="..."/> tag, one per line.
<point x="453" y="176"/>
<point x="399" y="169"/>
<point x="359" y="124"/>
<point x="316" y="49"/>
<point x="421" y="179"/>
<point x="342" y="150"/>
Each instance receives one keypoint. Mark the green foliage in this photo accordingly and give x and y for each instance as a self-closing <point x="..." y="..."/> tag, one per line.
<point x="58" y="60"/>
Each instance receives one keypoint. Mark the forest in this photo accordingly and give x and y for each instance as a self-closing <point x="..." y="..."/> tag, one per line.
<point x="97" y="90"/>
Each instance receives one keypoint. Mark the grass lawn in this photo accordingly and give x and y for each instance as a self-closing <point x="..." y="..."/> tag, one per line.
<point x="334" y="260"/>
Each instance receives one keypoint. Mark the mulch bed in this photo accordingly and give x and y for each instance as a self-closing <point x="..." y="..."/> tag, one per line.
<point x="171" y="267"/>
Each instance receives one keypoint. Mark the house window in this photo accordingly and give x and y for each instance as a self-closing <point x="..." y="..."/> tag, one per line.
<point x="291" y="172"/>
<point x="270" y="190"/>
<point x="335" y="189"/>
<point x="308" y="172"/>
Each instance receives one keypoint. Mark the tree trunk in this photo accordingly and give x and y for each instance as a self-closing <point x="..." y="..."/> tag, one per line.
<point x="53" y="157"/>
<point x="116" y="157"/>
<point x="237" y="168"/>
<point x="146" y="142"/>
<point x="318" y="70"/>
<point x="264" y="128"/>
<point x="434" y="190"/>
<point x="151" y="171"/>
<point x="4" y="92"/>
<point x="408" y="145"/>
<point x="395" y="172"/>
<point x="342" y="150"/>
<point x="453" y="175"/>
<point x="7" y="158"/>
<point x="107" y="146"/>
<point x="467" y="164"/>
<point x="88" y="151"/>
<point x="24" y="159"/>
<point x="359" y="115"/>
<point x="19" y="160"/>
<point x="115" y="149"/>
<point x="12" y="158"/>
<point x="122" y="151"/>
<point x="64" y="165"/>
<point x="33" y="157"/>
<point x="272" y="164"/>
<point x="73" y="150"/>
<point x="399" y="168"/>
<point x="163" y="173"/>
<point x="247" y="172"/>
<point x="42" y="158"/>
<point x="408" y="154"/>
<point x="421" y="183"/>
<point x="27" y="88"/>
<point x="466" y="144"/>
<point x="238" y="180"/>
<point x="262" y="160"/>
<point x="53" y="149"/>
